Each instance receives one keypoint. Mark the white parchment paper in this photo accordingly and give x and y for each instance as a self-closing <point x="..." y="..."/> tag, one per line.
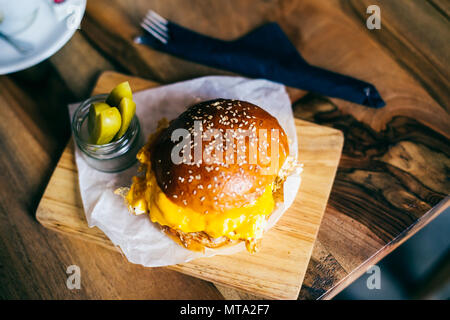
<point x="139" y="239"/>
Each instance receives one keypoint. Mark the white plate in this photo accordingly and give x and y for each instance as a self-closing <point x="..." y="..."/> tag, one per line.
<point x="52" y="27"/>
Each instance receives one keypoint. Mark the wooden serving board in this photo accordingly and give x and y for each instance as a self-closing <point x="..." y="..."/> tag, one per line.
<point x="277" y="271"/>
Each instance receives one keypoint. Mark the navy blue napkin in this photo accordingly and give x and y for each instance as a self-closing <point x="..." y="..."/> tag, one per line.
<point x="266" y="52"/>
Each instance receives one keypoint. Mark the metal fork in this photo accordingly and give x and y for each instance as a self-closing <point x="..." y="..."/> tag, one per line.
<point x="156" y="26"/>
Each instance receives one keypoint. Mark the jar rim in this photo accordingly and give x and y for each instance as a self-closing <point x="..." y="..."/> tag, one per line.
<point x="98" y="97"/>
<point x="101" y="151"/>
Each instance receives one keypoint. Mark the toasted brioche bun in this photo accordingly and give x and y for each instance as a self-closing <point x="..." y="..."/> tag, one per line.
<point x="212" y="187"/>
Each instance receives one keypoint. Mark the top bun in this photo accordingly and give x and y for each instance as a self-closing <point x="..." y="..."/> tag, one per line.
<point x="226" y="174"/>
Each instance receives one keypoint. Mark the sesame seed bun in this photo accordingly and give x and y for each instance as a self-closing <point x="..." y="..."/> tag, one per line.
<point x="217" y="186"/>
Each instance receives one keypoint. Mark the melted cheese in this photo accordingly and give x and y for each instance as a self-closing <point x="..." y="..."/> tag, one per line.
<point x="243" y="223"/>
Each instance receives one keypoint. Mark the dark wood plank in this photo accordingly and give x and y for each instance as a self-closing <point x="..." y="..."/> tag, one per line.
<point x="33" y="260"/>
<point x="311" y="26"/>
<point x="417" y="33"/>
<point x="443" y="6"/>
<point x="79" y="64"/>
<point x="380" y="196"/>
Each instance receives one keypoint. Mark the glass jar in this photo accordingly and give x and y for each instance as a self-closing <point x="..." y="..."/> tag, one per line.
<point x="111" y="157"/>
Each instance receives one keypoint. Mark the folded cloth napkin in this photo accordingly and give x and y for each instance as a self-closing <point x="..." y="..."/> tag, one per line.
<point x="266" y="53"/>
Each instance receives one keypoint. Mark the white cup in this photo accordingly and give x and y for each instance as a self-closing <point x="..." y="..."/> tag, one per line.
<point x="17" y="15"/>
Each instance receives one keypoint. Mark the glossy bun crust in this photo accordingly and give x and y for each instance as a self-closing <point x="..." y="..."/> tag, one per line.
<point x="218" y="186"/>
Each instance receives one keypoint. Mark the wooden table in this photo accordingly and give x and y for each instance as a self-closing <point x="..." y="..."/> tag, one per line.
<point x="393" y="175"/>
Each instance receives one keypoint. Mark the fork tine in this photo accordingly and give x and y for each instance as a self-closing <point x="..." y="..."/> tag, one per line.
<point x="156" y="20"/>
<point x="157" y="23"/>
<point x="153" y="33"/>
<point x="163" y="29"/>
<point x="157" y="16"/>
<point x="155" y="28"/>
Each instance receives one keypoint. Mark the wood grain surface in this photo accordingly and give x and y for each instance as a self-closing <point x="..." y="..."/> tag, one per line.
<point x="395" y="162"/>
<point x="33" y="260"/>
<point x="408" y="23"/>
<point x="278" y="269"/>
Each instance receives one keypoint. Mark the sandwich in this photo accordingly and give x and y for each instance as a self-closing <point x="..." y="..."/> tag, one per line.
<point x="213" y="176"/>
